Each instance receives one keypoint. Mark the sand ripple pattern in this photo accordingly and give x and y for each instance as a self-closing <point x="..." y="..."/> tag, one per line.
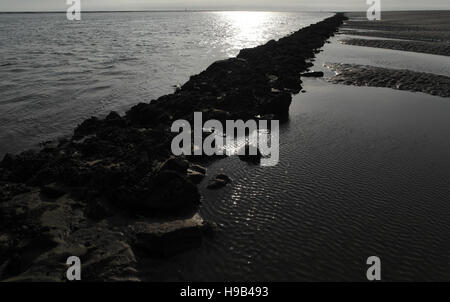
<point x="402" y="79"/>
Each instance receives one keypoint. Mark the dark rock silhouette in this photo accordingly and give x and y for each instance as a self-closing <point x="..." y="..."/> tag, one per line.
<point x="251" y="154"/>
<point x="119" y="170"/>
<point x="219" y="181"/>
<point x="313" y="74"/>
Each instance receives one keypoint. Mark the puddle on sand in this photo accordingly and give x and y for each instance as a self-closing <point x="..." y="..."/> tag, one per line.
<point x="336" y="52"/>
<point x="363" y="171"/>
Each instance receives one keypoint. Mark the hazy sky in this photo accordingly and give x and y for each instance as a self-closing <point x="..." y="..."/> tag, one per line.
<point x="330" y="5"/>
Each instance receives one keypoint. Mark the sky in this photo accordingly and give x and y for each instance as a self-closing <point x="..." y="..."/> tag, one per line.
<point x="326" y="5"/>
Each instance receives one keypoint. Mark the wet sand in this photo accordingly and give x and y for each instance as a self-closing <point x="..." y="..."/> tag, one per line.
<point x="418" y="32"/>
<point x="437" y="48"/>
<point x="426" y="31"/>
<point x="359" y="75"/>
<point x="429" y="26"/>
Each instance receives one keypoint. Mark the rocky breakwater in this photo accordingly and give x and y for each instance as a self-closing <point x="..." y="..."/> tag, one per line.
<point x="113" y="192"/>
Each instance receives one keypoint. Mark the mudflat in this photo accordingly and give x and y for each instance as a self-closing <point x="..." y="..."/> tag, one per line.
<point x="400" y="79"/>
<point x="415" y="31"/>
<point x="421" y="31"/>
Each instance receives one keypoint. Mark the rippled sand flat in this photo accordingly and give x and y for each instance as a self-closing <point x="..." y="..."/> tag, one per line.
<point x="392" y="78"/>
<point x="413" y="25"/>
<point x="437" y="48"/>
<point x="412" y="47"/>
<point x="421" y="31"/>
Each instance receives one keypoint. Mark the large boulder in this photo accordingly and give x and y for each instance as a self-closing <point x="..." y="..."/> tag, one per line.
<point x="277" y="102"/>
<point x="147" y="115"/>
<point x="176" y="164"/>
<point x="250" y="154"/>
<point x="172" y="191"/>
<point x="172" y="237"/>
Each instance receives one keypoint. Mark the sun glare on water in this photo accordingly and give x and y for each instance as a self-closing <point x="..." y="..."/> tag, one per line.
<point x="248" y="28"/>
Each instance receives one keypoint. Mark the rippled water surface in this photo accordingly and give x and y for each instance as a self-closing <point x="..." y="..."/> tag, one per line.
<point x="55" y="73"/>
<point x="363" y="171"/>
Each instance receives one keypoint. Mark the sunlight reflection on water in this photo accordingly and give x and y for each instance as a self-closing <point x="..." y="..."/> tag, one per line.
<point x="55" y="73"/>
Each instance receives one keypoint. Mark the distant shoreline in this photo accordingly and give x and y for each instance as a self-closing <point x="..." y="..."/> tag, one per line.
<point x="207" y="10"/>
<point x="164" y="11"/>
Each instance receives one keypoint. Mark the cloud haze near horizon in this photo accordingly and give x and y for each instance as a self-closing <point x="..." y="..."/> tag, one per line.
<point x="326" y="5"/>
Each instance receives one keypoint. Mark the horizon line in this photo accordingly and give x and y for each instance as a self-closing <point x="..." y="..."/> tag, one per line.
<point x="211" y="10"/>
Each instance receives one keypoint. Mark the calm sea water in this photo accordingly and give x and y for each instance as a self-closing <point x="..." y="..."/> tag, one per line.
<point x="55" y="73"/>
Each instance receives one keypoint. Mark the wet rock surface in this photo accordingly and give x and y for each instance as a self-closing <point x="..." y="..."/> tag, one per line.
<point x="85" y="196"/>
<point x="219" y="181"/>
<point x="251" y="154"/>
<point x="361" y="75"/>
<point x="170" y="237"/>
<point x="314" y="74"/>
